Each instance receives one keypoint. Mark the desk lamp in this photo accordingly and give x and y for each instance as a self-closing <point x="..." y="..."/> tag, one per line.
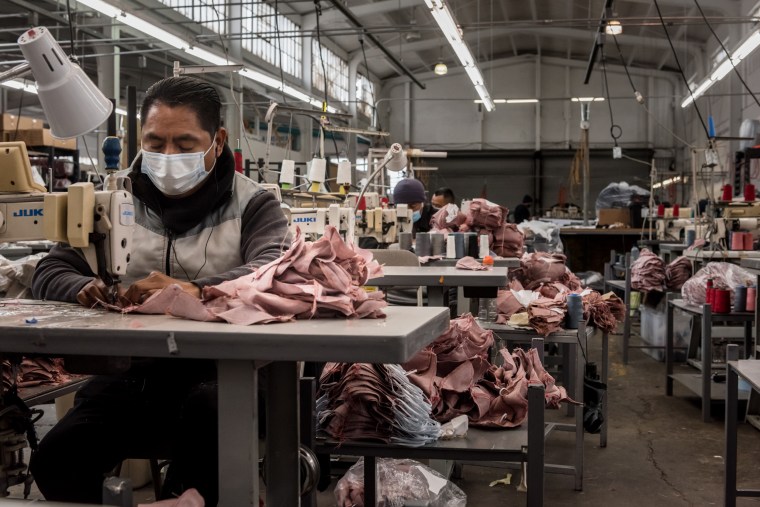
<point x="394" y="160"/>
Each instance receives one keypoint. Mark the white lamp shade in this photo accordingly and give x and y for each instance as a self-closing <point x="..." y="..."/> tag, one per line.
<point x="396" y="158"/>
<point x="317" y="170"/>
<point x="73" y="104"/>
<point x="288" y="172"/>
<point x="344" y="173"/>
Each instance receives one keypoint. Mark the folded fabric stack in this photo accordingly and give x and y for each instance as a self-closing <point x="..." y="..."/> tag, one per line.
<point x="648" y="272"/>
<point x="544" y="268"/>
<point x="485" y="214"/>
<point x="374" y="402"/>
<point x="603" y="311"/>
<point x="36" y="371"/>
<point x="507" y="241"/>
<point x="320" y="279"/>
<point x="677" y="272"/>
<point x="546" y="315"/>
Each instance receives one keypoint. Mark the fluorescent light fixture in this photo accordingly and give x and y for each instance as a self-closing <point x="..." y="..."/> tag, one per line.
<point x="587" y="99"/>
<point x="440" y="69"/>
<point x="200" y="53"/>
<point x="445" y="19"/>
<point x="667" y="182"/>
<point x="20" y="85"/>
<point x="522" y="101"/>
<point x="724" y="68"/>
<point x="613" y="27"/>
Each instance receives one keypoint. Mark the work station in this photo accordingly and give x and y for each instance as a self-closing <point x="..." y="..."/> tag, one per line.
<point x="429" y="253"/>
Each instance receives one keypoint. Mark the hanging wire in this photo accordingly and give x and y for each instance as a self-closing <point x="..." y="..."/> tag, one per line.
<point x="616" y="131"/>
<point x="728" y="55"/>
<point x="680" y="71"/>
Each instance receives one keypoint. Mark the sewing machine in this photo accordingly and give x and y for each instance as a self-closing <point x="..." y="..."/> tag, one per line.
<point x="98" y="222"/>
<point x="312" y="221"/>
<point x="384" y="224"/>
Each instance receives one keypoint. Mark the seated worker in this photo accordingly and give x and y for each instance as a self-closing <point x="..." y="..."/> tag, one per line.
<point x="412" y="193"/>
<point x="198" y="223"/>
<point x="442" y="197"/>
<point x="522" y="210"/>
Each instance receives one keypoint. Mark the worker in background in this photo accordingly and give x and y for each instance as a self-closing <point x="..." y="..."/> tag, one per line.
<point x="522" y="211"/>
<point x="442" y="197"/>
<point x="198" y="223"/>
<point x="412" y="193"/>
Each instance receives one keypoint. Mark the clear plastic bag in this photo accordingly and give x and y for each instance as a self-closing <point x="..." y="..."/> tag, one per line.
<point x="398" y="482"/>
<point x="618" y="195"/>
<point x="725" y="276"/>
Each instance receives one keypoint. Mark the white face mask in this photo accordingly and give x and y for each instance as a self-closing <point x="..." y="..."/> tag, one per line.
<point x="178" y="173"/>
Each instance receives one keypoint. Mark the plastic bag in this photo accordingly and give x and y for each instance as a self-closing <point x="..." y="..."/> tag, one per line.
<point x="725" y="276"/>
<point x="398" y="482"/>
<point x="618" y="195"/>
<point x="541" y="236"/>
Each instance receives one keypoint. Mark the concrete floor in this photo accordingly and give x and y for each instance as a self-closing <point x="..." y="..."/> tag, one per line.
<point x="659" y="451"/>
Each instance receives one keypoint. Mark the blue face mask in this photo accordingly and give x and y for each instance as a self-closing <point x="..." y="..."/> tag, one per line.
<point x="416" y="216"/>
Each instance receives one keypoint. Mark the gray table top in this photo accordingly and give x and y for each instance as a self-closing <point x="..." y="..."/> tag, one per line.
<point x="721" y="254"/>
<point x="618" y="284"/>
<point x="63" y="328"/>
<point x="749" y="369"/>
<point x="697" y="310"/>
<point x="750" y="263"/>
<point x="673" y="247"/>
<point x="506" y="329"/>
<point x="409" y="276"/>
<point x="507" y="262"/>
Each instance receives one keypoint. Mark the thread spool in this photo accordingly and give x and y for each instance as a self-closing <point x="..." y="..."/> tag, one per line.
<point x="749" y="241"/>
<point x="690" y="237"/>
<point x="405" y="241"/>
<point x="721" y="301"/>
<point x="751" y="295"/>
<point x="238" y="154"/>
<point x="749" y="192"/>
<point x="459" y="244"/>
<point x="287" y="174"/>
<point x="422" y="245"/>
<point x="709" y="291"/>
<point x="737" y="241"/>
<point x="438" y="243"/>
<point x="676" y="210"/>
<point x="660" y="210"/>
<point x="451" y="248"/>
<point x="727" y="192"/>
<point x="483" y="247"/>
<point x="740" y="298"/>
<point x="574" y="311"/>
<point x="472" y="244"/>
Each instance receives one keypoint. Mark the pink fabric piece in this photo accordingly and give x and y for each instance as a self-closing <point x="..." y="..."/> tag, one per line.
<point x="472" y="264"/>
<point x="677" y="272"/>
<point x="447" y="219"/>
<point x="544" y="268"/>
<point x="507" y="241"/>
<point x="190" y="498"/>
<point x="484" y="214"/>
<point x="320" y="279"/>
<point x="648" y="272"/>
<point x="546" y="315"/>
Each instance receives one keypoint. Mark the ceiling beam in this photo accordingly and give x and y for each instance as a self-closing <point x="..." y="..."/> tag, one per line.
<point x="723" y="6"/>
<point x="360" y="11"/>
<point x="679" y="33"/>
<point x="562" y="33"/>
<point x="505" y="14"/>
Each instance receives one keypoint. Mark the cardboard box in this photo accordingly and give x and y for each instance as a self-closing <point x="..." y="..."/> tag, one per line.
<point x="9" y="121"/>
<point x="610" y="216"/>
<point x="40" y="137"/>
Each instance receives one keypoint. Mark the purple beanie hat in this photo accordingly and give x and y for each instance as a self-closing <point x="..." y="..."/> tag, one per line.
<point x="409" y="191"/>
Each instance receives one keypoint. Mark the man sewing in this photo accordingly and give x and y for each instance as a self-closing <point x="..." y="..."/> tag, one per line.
<point x="198" y="223"/>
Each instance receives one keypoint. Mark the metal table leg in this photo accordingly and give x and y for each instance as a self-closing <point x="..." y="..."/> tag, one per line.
<point x="437" y="295"/>
<point x="536" y="407"/>
<point x="732" y="394"/>
<point x="706" y="360"/>
<point x="747" y="340"/>
<point x="238" y="434"/>
<point x="370" y="481"/>
<point x="669" y="347"/>
<point x="605" y="379"/>
<point x="578" y="395"/>
<point x="569" y="358"/>
<point x="282" y="460"/>
<point x="627" y="301"/>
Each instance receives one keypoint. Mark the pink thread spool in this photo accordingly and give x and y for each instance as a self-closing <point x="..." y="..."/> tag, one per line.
<point x="721" y="301"/>
<point x="728" y="192"/>
<point x="737" y="241"/>
<point x="676" y="210"/>
<point x="751" y="295"/>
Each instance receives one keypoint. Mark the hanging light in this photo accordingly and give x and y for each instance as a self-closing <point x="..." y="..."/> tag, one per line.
<point x="440" y="69"/>
<point x="613" y="27"/>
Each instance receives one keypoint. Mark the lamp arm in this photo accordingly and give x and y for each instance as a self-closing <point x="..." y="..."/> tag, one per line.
<point x="369" y="180"/>
<point x="17" y="71"/>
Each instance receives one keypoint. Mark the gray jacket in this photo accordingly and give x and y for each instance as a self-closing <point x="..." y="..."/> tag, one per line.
<point x="222" y="231"/>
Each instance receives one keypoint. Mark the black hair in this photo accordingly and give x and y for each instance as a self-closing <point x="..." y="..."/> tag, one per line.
<point x="447" y="194"/>
<point x="527" y="199"/>
<point x="189" y="91"/>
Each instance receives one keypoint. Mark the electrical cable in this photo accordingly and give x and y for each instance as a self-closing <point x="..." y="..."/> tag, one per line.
<point x="640" y="98"/>
<point x="614" y="128"/>
<point x="318" y="14"/>
<point x="680" y="71"/>
<point x="728" y="55"/>
<point x="279" y="50"/>
<point x="71" y="29"/>
<point x="374" y="104"/>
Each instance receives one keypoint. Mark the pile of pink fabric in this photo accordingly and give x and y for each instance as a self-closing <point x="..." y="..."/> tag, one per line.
<point x="483" y="214"/>
<point x="540" y="268"/>
<point x="677" y="272"/>
<point x="648" y="272"/>
<point x="447" y="219"/>
<point x="603" y="311"/>
<point x="507" y="304"/>
<point x="546" y="315"/>
<point x="471" y="264"/>
<point x="507" y="241"/>
<point x="724" y="276"/>
<point x="455" y="374"/>
<point x="36" y="371"/>
<point x="320" y="279"/>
